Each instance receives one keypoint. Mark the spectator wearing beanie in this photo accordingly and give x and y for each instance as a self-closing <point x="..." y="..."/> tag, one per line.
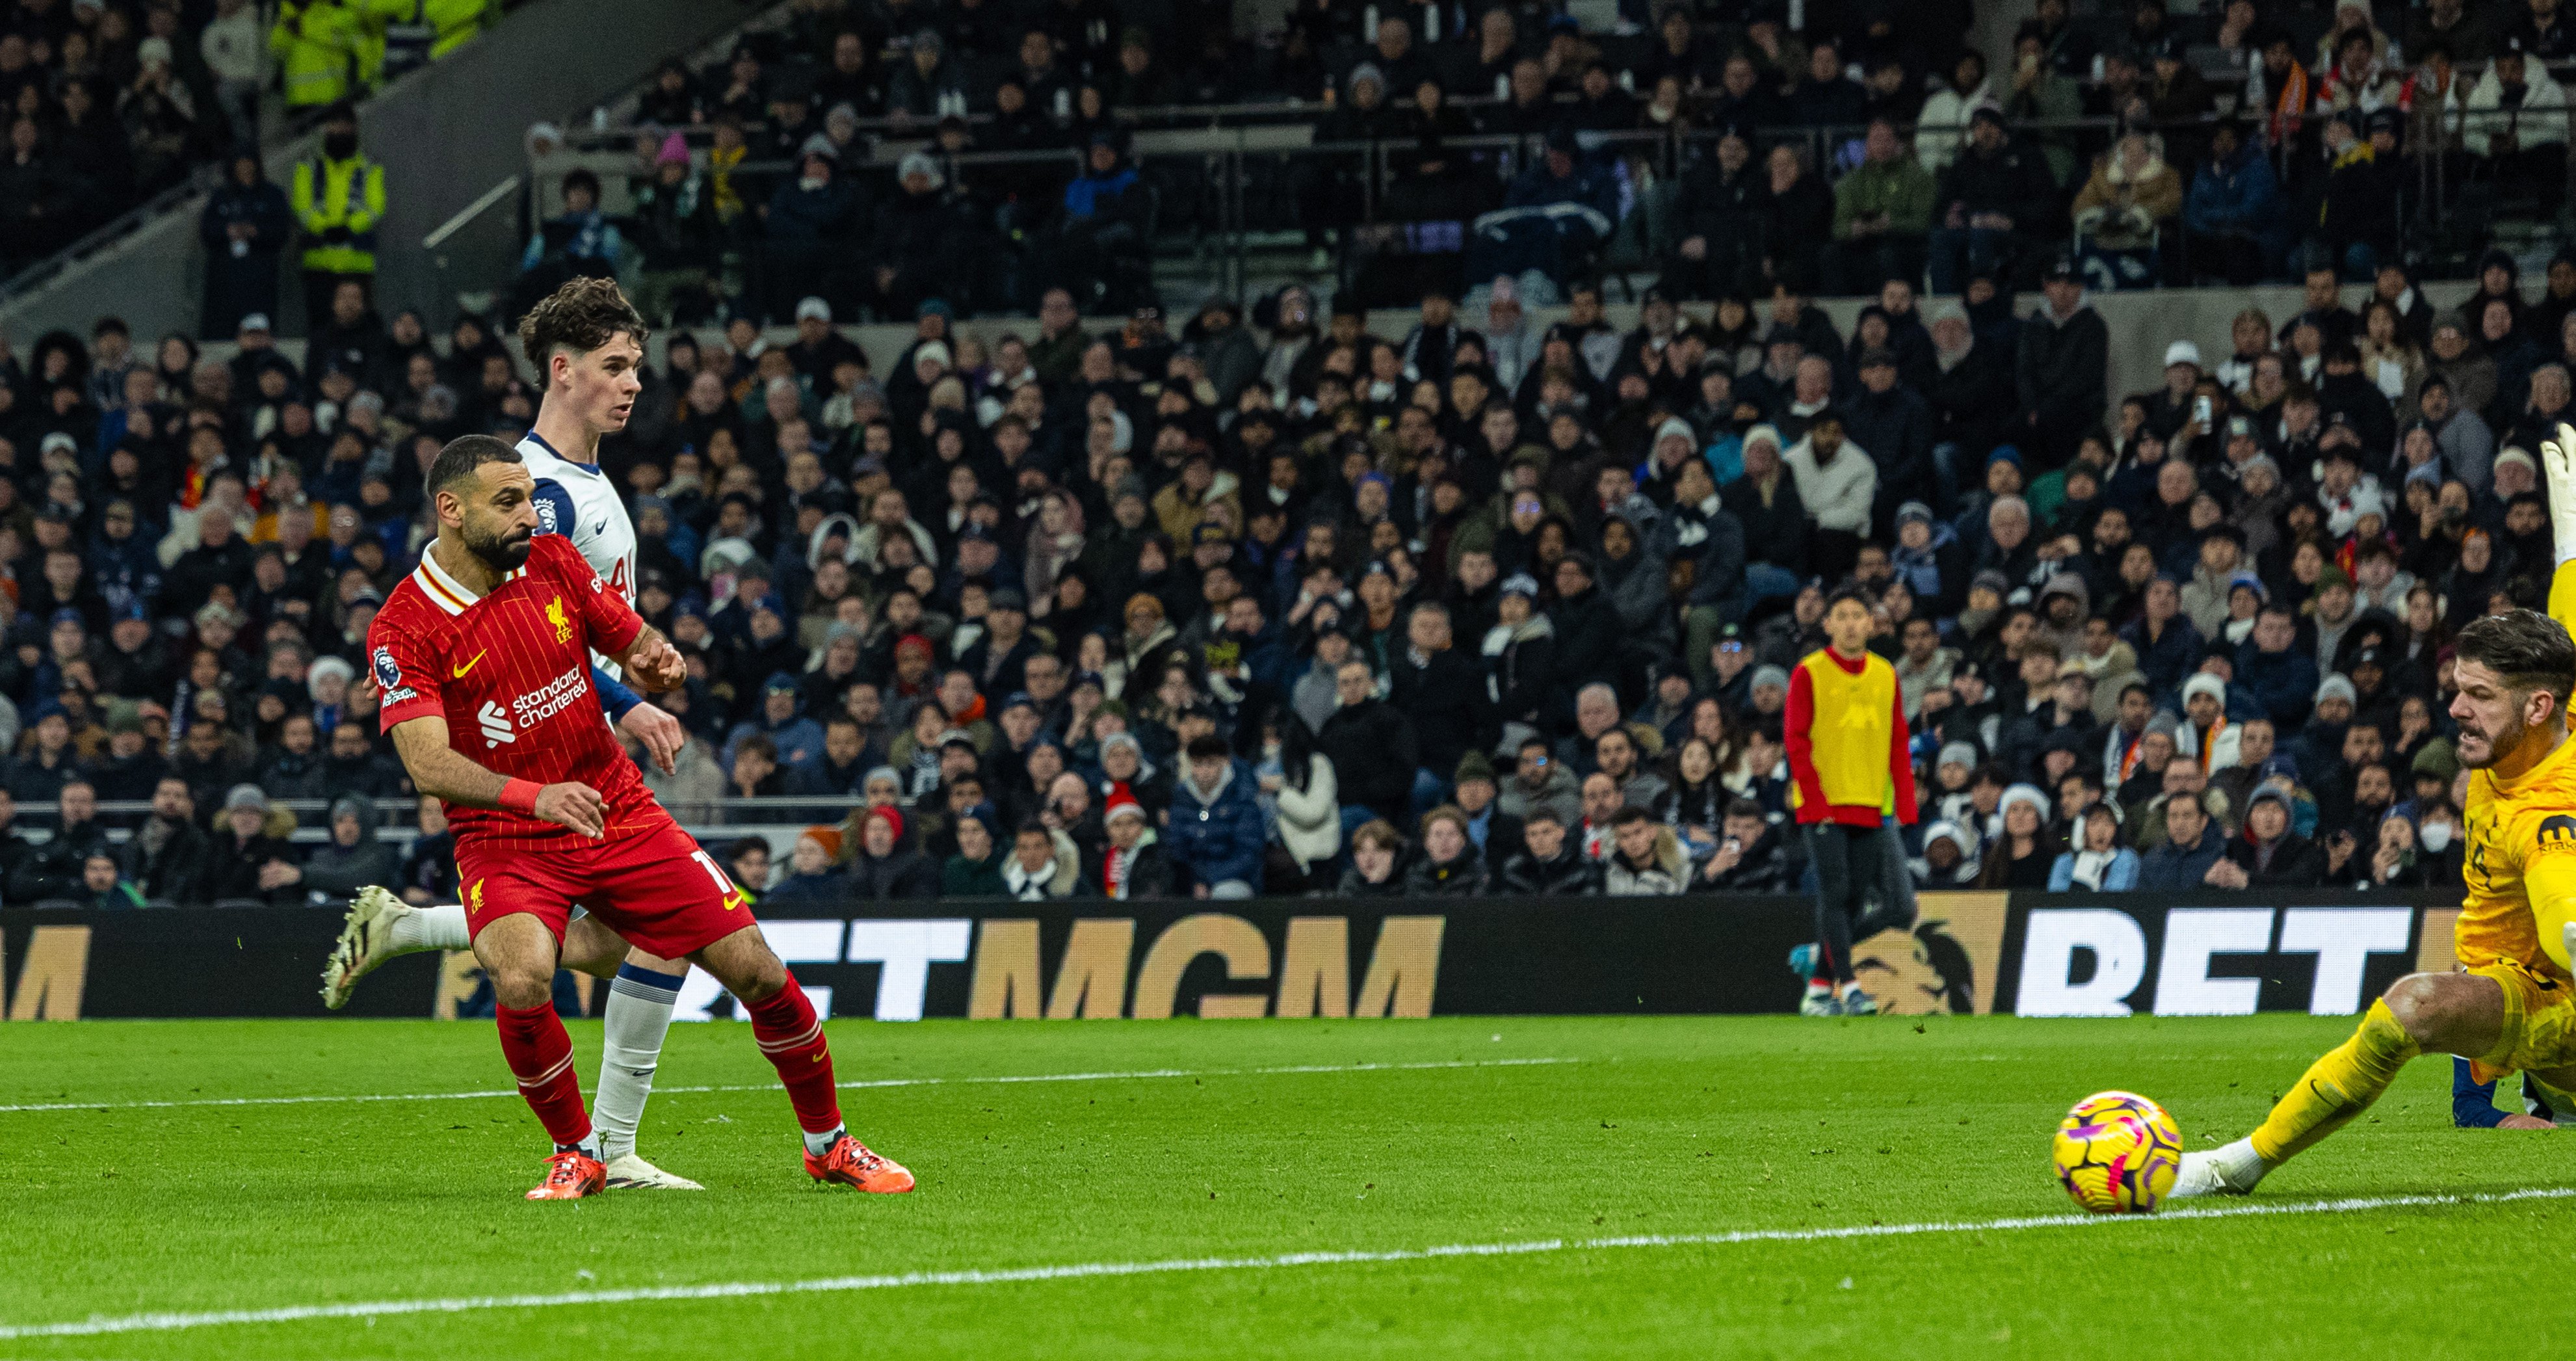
<point x="1496" y="834"/>
<point x="1767" y="503"/>
<point x="2206" y="736"/>
<point x="882" y="868"/>
<point x="1133" y="865"/>
<point x="2269" y="854"/>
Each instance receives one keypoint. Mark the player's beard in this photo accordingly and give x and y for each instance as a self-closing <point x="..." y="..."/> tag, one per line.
<point x="504" y="552"/>
<point x="2499" y="744"/>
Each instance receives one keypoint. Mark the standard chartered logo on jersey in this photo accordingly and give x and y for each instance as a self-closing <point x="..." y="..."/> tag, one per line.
<point x="495" y="724"/>
<point x="537" y="706"/>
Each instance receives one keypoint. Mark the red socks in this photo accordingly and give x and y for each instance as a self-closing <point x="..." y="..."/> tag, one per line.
<point x="792" y="1036"/>
<point x="540" y="1056"/>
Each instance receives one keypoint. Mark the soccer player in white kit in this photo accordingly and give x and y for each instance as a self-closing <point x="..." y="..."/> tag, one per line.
<point x="587" y="343"/>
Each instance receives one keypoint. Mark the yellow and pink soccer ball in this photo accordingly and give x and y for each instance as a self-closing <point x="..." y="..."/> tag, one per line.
<point x="2117" y="1153"/>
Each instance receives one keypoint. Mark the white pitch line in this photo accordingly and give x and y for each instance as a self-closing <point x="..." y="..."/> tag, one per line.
<point x="176" y="1322"/>
<point x="1138" y="1075"/>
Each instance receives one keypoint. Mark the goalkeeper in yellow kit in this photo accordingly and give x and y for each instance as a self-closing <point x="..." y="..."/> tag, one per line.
<point x="2512" y="1005"/>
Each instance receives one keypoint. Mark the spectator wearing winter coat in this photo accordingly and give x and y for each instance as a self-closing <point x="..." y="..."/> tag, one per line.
<point x="2515" y="120"/>
<point x="1448" y="865"/>
<point x="1308" y="798"/>
<point x="2098" y="863"/>
<point x="1519" y="655"/>
<point x="248" y="861"/>
<point x="1540" y="781"/>
<point x="1838" y="484"/>
<point x="1549" y="863"/>
<point x="1442" y="694"/>
<point x="2280" y="675"/>
<point x="1215" y="834"/>
<point x="812" y="880"/>
<point x="1372" y="747"/>
<point x="2207" y="736"/>
<point x="53" y="870"/>
<point x="1494" y="833"/>
<point x="2269" y="854"/>
<point x="1373" y="872"/>
<point x="1767" y="503"/>
<point x="168" y="853"/>
<point x="2181" y="862"/>
<point x="1588" y="632"/>
<point x="1997" y="190"/>
<point x="1929" y="559"/>
<point x="1753" y="857"/>
<point x="1895" y="426"/>
<point x="883" y="869"/>
<point x="1949" y="858"/>
<point x="1044" y="866"/>
<point x="2061" y="365"/>
<point x="1645" y="858"/>
<point x="354" y="858"/>
<point x="1133" y="864"/>
<point x="2233" y="217"/>
<point x="975" y="871"/>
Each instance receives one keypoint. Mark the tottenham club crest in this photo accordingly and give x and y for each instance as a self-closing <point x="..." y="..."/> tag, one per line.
<point x="388" y="674"/>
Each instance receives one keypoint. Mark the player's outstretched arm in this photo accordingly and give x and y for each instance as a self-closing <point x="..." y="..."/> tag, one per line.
<point x="2558" y="475"/>
<point x="442" y="772"/>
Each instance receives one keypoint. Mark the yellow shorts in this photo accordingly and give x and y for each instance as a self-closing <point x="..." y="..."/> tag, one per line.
<point x="2539" y="1023"/>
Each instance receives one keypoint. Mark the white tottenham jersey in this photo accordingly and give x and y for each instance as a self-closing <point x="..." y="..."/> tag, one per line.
<point x="578" y="501"/>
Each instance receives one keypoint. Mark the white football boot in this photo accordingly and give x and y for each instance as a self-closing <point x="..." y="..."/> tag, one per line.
<point x="366" y="940"/>
<point x="2229" y="1170"/>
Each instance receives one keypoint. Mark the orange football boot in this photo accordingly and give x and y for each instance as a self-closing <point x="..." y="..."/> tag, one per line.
<point x="571" y="1175"/>
<point x="850" y="1163"/>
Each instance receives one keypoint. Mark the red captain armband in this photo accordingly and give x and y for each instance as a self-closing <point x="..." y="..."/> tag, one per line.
<point x="520" y="797"/>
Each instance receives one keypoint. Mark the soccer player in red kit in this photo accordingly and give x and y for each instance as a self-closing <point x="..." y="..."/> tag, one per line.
<point x="483" y="654"/>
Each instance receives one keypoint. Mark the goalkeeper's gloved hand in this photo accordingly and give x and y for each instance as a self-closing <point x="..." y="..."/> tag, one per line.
<point x="2558" y="475"/>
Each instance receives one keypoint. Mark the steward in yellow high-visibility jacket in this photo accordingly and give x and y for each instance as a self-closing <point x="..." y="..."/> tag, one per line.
<point x="339" y="199"/>
<point x="317" y="44"/>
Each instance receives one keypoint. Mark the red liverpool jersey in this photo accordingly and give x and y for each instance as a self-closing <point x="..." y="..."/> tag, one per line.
<point x="511" y="675"/>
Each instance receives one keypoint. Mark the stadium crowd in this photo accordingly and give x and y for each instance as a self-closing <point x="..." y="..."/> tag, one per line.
<point x="1275" y="600"/>
<point x="1713" y="142"/>
<point x="1476" y="607"/>
<point x="109" y="102"/>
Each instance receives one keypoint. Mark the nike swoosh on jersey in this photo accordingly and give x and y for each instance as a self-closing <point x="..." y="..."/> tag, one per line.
<point x="459" y="673"/>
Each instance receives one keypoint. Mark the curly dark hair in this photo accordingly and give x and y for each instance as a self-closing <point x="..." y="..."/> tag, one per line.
<point x="2528" y="649"/>
<point x="579" y="317"/>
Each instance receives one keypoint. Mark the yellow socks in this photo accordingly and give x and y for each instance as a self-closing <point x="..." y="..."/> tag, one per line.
<point x="2336" y="1087"/>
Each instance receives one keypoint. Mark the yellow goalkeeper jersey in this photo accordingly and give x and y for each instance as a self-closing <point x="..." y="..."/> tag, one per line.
<point x="2521" y="868"/>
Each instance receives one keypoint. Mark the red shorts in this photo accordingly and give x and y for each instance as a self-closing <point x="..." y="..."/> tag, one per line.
<point x="658" y="890"/>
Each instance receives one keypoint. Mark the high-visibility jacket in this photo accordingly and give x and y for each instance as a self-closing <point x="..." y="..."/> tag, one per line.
<point x="339" y="194"/>
<point x="455" y="21"/>
<point x="317" y="47"/>
<point x="402" y="34"/>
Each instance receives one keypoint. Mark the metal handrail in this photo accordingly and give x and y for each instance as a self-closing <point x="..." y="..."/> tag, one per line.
<point x="465" y="216"/>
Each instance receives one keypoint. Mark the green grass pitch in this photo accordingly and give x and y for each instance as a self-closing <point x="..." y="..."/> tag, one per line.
<point x="1642" y="1128"/>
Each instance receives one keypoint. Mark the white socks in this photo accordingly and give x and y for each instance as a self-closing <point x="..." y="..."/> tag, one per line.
<point x="432" y="928"/>
<point x="634" y="1023"/>
<point x="820" y="1144"/>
